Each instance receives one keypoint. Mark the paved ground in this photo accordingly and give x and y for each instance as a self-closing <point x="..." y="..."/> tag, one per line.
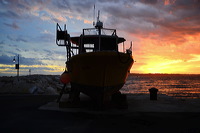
<point x="21" y="113"/>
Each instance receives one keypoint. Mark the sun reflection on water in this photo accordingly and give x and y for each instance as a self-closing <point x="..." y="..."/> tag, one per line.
<point x="176" y="85"/>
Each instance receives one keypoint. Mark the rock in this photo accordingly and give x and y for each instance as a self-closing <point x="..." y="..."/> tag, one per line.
<point x="7" y="88"/>
<point x="50" y="90"/>
<point x="33" y="89"/>
<point x="40" y="91"/>
<point x="33" y="84"/>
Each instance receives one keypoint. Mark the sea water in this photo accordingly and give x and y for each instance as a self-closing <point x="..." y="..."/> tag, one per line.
<point x="175" y="85"/>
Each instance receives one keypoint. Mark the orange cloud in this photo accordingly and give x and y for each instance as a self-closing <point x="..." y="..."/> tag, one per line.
<point x="168" y="2"/>
<point x="169" y="54"/>
<point x="87" y="21"/>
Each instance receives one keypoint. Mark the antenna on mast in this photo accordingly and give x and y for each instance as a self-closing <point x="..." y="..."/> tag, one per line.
<point x="99" y="24"/>
<point x="98" y="15"/>
<point x="94" y="16"/>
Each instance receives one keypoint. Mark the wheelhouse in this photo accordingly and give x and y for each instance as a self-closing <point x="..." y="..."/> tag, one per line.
<point x="92" y="40"/>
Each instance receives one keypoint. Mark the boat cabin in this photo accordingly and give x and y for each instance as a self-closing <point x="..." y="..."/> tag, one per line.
<point x="91" y="40"/>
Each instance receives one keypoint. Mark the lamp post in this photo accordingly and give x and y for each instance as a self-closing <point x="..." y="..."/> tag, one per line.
<point x="17" y="64"/>
<point x="29" y="72"/>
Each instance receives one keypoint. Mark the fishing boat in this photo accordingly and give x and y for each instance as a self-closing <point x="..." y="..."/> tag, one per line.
<point x="94" y="64"/>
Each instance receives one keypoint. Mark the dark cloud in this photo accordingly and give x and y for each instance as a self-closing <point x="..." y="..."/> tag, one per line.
<point x="106" y="1"/>
<point x="19" y="9"/>
<point x="83" y="6"/>
<point x="48" y="54"/>
<point x="46" y="38"/>
<point x="16" y="39"/>
<point x="30" y="61"/>
<point x="149" y="1"/>
<point x="134" y="19"/>
<point x="185" y="4"/>
<point x="13" y="25"/>
<point x="155" y="22"/>
<point x="8" y="60"/>
<point x="132" y="16"/>
<point x="60" y="52"/>
<point x="10" y="14"/>
<point x="173" y="18"/>
<point x="2" y="42"/>
<point x="19" y="50"/>
<point x="62" y="4"/>
<point x="4" y="59"/>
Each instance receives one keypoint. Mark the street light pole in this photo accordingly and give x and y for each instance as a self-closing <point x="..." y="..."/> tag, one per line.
<point x="17" y="65"/>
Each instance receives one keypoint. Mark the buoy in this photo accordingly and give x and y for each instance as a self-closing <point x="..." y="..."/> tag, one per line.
<point x="64" y="78"/>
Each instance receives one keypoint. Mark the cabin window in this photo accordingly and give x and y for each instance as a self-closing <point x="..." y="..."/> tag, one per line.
<point x="89" y="48"/>
<point x="108" y="44"/>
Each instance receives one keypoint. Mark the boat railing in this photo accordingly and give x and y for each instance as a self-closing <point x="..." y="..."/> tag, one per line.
<point x="95" y="31"/>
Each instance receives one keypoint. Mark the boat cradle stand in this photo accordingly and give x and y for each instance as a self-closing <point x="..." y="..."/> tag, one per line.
<point x="75" y="99"/>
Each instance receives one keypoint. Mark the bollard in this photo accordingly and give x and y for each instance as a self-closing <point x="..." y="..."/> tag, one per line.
<point x="153" y="93"/>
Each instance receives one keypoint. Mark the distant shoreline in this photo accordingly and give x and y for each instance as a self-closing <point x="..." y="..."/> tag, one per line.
<point x="160" y="74"/>
<point x="135" y="74"/>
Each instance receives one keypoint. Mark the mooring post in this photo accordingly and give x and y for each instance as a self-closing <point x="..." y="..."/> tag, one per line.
<point x="153" y="93"/>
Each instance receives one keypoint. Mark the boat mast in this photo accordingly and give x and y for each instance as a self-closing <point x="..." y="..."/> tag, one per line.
<point x="94" y="16"/>
<point x="99" y="24"/>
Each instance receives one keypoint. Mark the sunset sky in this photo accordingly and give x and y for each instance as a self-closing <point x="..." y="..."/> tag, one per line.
<point x="165" y="33"/>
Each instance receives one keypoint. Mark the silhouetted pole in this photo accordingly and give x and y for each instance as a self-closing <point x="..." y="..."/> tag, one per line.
<point x="17" y="65"/>
<point x="29" y="71"/>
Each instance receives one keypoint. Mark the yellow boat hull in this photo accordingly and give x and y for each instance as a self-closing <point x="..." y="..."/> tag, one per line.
<point x="99" y="74"/>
